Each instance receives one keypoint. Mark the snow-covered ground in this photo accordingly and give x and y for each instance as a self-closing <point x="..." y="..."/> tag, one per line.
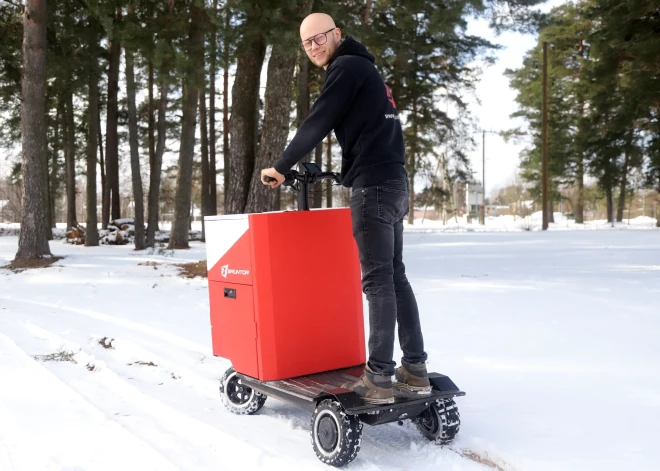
<point x="528" y="223"/>
<point x="554" y="336"/>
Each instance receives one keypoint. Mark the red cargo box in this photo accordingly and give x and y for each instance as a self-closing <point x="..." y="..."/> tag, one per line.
<point x="285" y="292"/>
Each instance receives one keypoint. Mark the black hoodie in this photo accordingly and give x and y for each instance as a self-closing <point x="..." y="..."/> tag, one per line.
<point x="357" y="104"/>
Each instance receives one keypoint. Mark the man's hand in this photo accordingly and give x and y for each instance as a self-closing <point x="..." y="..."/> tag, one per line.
<point x="272" y="173"/>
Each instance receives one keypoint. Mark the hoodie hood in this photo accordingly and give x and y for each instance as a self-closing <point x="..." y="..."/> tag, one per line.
<point x="351" y="47"/>
<point x="357" y="104"/>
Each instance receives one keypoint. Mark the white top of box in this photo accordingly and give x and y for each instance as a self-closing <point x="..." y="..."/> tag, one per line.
<point x="245" y="216"/>
<point x="225" y="216"/>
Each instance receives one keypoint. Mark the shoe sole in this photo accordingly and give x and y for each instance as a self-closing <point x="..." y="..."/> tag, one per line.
<point x="415" y="389"/>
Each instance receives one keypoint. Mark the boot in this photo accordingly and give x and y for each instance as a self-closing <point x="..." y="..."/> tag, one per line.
<point x="372" y="388"/>
<point x="412" y="377"/>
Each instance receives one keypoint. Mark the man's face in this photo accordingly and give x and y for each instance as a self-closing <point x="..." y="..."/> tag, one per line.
<point x="320" y="55"/>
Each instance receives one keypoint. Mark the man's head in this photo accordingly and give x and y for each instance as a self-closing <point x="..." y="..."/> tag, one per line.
<point x="317" y="28"/>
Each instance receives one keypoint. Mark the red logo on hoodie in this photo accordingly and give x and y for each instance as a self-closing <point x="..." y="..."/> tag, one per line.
<point x="389" y="95"/>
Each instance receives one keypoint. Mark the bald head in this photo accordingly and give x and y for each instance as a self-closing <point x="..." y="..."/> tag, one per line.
<point x="320" y="28"/>
<point x="315" y="21"/>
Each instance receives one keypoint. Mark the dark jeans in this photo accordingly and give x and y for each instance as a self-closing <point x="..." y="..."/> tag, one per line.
<point x="377" y="213"/>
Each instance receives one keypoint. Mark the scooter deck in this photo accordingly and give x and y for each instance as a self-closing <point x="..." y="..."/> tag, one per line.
<point x="306" y="391"/>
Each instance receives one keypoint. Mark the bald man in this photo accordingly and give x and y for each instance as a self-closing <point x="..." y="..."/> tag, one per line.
<point x="358" y="106"/>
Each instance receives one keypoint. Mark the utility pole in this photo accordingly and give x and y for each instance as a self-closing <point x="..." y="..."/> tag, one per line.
<point x="545" y="136"/>
<point x="482" y="215"/>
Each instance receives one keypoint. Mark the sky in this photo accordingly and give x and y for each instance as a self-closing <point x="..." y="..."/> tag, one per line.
<point x="498" y="103"/>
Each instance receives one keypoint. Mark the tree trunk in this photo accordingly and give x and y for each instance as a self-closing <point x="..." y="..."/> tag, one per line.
<point x="181" y="223"/>
<point x="49" y="217"/>
<point x="104" y="201"/>
<point x="206" y="192"/>
<point x="91" y="229"/>
<point x="33" y="238"/>
<point x="154" y="177"/>
<point x="111" y="191"/>
<point x="138" y="195"/>
<point x="317" y="197"/>
<point x="367" y="13"/>
<point x="302" y="93"/>
<point x="302" y="79"/>
<point x="411" y="171"/>
<point x="275" y="128"/>
<point x="624" y="179"/>
<point x="53" y="181"/>
<point x="213" y="190"/>
<point x="328" y="168"/>
<point x="579" y="206"/>
<point x="243" y="123"/>
<point x="609" y="194"/>
<point x="302" y="98"/>
<point x="70" y="162"/>
<point x="152" y="119"/>
<point x="225" y="114"/>
<point x="193" y="80"/>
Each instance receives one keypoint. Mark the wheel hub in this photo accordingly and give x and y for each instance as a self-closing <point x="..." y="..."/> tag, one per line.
<point x="429" y="421"/>
<point x="327" y="434"/>
<point x="237" y="392"/>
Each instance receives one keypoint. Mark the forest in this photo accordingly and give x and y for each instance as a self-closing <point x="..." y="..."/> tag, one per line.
<point x="160" y="110"/>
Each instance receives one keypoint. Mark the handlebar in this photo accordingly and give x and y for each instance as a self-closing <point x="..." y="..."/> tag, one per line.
<point x="305" y="177"/>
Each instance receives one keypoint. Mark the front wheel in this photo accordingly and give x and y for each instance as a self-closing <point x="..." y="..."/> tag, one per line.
<point x="237" y="397"/>
<point x="440" y="422"/>
<point x="336" y="436"/>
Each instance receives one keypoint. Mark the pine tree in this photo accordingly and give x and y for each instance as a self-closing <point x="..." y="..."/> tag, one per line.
<point x="33" y="239"/>
<point x="243" y="122"/>
<point x="193" y="78"/>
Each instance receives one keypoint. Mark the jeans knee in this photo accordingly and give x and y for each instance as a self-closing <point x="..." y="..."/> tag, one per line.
<point x="401" y="281"/>
<point x="378" y="289"/>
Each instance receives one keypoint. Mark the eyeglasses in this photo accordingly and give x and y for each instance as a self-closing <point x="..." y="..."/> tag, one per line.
<point x="319" y="39"/>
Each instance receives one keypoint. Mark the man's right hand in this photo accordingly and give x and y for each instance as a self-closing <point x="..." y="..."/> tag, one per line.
<point x="272" y="173"/>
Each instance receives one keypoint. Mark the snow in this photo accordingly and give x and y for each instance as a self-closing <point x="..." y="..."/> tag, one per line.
<point x="529" y="223"/>
<point x="553" y="335"/>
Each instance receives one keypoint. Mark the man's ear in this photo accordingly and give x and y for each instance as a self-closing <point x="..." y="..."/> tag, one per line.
<point x="337" y="32"/>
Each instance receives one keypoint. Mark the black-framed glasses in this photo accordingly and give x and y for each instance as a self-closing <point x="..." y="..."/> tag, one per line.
<point x="319" y="39"/>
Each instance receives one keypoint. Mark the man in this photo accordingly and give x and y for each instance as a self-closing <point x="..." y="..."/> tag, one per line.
<point x="357" y="104"/>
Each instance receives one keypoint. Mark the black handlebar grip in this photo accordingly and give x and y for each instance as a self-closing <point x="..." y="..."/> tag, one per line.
<point x="269" y="179"/>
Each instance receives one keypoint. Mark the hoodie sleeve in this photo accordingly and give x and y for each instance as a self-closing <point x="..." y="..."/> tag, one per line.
<point x="327" y="112"/>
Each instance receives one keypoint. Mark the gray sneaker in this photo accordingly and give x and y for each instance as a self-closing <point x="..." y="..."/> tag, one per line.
<point x="372" y="388"/>
<point x="412" y="377"/>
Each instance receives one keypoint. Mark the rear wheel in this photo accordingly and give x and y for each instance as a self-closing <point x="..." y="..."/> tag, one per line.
<point x="237" y="397"/>
<point x="440" y="422"/>
<point x="336" y="436"/>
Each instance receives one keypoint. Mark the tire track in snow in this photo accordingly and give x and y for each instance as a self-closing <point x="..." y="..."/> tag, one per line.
<point x="385" y="446"/>
<point x="143" y="328"/>
<point x="192" y="391"/>
<point x="126" y="351"/>
<point x="183" y="439"/>
<point x="70" y="431"/>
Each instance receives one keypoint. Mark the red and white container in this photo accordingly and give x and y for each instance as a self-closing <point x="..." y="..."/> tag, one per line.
<point x="285" y="292"/>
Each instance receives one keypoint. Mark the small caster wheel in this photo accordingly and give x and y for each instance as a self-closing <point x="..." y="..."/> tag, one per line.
<point x="237" y="397"/>
<point x="336" y="436"/>
<point x="440" y="422"/>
